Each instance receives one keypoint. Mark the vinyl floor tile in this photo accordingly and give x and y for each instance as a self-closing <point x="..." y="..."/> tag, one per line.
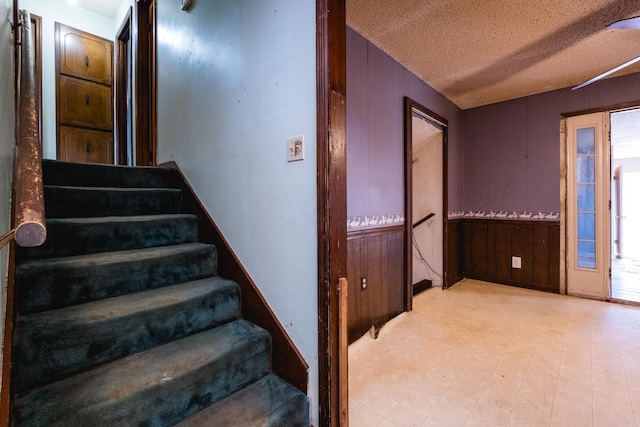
<point x="481" y="354"/>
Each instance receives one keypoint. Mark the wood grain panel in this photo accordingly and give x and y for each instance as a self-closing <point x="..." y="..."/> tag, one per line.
<point x="353" y="276"/>
<point x="375" y="279"/>
<point x="378" y="255"/>
<point x="541" y="254"/>
<point x="395" y="275"/>
<point x="503" y="254"/>
<point x="85" y="145"/>
<point x="489" y="244"/>
<point x="85" y="55"/>
<point x="476" y="241"/>
<point x="522" y="246"/>
<point x="554" y="257"/>
<point x="454" y="270"/>
<point x="491" y="248"/>
<point x="84" y="103"/>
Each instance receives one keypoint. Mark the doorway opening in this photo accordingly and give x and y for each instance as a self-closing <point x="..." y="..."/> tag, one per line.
<point x="425" y="198"/>
<point x="625" y="205"/>
<point x="603" y="216"/>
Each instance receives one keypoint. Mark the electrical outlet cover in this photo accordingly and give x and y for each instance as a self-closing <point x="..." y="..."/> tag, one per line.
<point x="516" y="262"/>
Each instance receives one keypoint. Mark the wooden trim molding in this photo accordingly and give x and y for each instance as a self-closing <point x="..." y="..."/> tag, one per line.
<point x="331" y="55"/>
<point x="613" y="107"/>
<point x="145" y="87"/>
<point x="123" y="43"/>
<point x="409" y="106"/>
<point x="373" y="231"/>
<point x="36" y="29"/>
<point x="287" y="361"/>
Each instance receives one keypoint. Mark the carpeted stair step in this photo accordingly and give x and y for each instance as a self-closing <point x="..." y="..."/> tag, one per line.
<point x="78" y="202"/>
<point x="58" y="343"/>
<point x="96" y="175"/>
<point x="59" y="282"/>
<point x="158" y="387"/>
<point x="269" y="402"/>
<point x="77" y="236"/>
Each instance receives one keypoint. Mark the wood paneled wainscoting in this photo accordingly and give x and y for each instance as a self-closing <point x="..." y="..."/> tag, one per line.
<point x="489" y="245"/>
<point x="476" y="248"/>
<point x="454" y="271"/>
<point x="377" y="256"/>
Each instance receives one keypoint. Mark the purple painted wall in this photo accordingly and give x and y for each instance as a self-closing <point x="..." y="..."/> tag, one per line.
<point x="512" y="148"/>
<point x="376" y="86"/>
<point x="503" y="157"/>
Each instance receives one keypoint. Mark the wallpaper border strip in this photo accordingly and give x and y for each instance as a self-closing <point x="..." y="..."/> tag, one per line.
<point x="369" y="221"/>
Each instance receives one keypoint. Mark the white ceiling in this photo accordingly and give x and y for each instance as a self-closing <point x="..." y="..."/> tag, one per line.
<point x="107" y="8"/>
<point x="477" y="52"/>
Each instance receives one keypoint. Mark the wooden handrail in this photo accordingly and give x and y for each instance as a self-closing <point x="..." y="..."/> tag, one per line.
<point x="423" y="219"/>
<point x="30" y="228"/>
<point x="28" y="193"/>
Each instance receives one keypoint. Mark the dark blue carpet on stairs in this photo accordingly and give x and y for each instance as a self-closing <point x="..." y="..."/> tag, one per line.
<point x="122" y="319"/>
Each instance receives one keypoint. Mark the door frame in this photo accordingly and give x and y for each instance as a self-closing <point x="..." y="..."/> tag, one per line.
<point x="123" y="85"/>
<point x="145" y="87"/>
<point x="563" y="181"/>
<point x="332" y="207"/>
<point x="564" y="201"/>
<point x="409" y="106"/>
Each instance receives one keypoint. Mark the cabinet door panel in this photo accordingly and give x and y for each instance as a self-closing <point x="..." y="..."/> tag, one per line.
<point x="84" y="55"/>
<point x="86" y="146"/>
<point x="83" y="103"/>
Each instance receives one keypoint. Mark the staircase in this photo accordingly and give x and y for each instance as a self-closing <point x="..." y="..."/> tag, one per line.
<point x="122" y="319"/>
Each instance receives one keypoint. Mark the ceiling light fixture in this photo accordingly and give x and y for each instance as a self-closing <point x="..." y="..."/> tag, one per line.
<point x="623" y="24"/>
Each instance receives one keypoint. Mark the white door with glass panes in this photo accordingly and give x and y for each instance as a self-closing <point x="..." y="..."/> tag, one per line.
<point x="588" y="195"/>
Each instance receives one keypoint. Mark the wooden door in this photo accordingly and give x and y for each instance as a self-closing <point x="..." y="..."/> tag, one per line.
<point x="84" y="96"/>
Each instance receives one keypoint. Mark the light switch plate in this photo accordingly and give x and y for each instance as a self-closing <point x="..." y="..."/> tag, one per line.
<point x="295" y="148"/>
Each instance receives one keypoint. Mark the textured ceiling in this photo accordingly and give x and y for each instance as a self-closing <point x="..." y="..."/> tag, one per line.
<point x="478" y="52"/>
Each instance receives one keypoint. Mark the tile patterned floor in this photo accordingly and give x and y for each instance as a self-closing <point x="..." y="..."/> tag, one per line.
<point x="481" y="354"/>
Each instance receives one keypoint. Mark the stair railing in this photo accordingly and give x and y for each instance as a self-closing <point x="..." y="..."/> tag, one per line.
<point x="29" y="222"/>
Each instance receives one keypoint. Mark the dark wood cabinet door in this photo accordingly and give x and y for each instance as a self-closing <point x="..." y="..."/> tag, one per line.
<point x="86" y="146"/>
<point x="84" y="103"/>
<point x="84" y="96"/>
<point x="85" y="55"/>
